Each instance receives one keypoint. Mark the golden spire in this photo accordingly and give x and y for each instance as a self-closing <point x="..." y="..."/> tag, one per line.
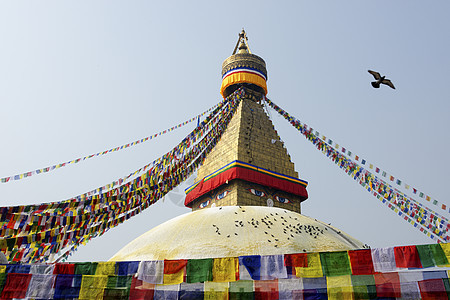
<point x="243" y="68"/>
<point x="243" y="39"/>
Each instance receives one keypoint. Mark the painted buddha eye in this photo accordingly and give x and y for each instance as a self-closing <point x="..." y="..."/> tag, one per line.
<point x="222" y="195"/>
<point x="282" y="200"/>
<point x="204" y="204"/>
<point x="257" y="192"/>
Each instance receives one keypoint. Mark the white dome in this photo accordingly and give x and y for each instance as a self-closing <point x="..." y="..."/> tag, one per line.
<point x="232" y="231"/>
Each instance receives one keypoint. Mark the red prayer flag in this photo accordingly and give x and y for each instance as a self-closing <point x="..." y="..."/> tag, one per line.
<point x="407" y="257"/>
<point x="64" y="268"/>
<point x="361" y="262"/>
<point x="16" y="285"/>
<point x="432" y="289"/>
<point x="266" y="289"/>
<point x="140" y="290"/>
<point x="296" y="260"/>
<point x="387" y="285"/>
<point x="174" y="266"/>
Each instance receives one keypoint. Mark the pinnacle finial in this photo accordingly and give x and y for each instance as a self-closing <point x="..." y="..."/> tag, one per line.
<point x="242" y="40"/>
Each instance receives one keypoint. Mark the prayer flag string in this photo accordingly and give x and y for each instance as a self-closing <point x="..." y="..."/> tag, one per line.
<point x="421" y="217"/>
<point x="115" y="149"/>
<point x="402" y="272"/>
<point x="33" y="233"/>
<point x="374" y="168"/>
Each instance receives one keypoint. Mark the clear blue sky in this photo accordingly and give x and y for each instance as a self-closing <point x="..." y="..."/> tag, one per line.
<point x="79" y="77"/>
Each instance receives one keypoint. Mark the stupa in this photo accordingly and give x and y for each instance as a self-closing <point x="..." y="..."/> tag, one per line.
<point x="247" y="196"/>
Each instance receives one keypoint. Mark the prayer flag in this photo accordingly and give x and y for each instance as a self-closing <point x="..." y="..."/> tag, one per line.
<point x="339" y="287"/>
<point x="93" y="286"/>
<point x="361" y="262"/>
<point x="364" y="286"/>
<point x="216" y="290"/>
<point x="106" y="268"/>
<point x="407" y="257"/>
<point x="251" y="267"/>
<point x="16" y="285"/>
<point x="225" y="269"/>
<point x="242" y="289"/>
<point x="191" y="291"/>
<point x="124" y="268"/>
<point x="446" y="249"/>
<point x="335" y="263"/>
<point x="199" y="270"/>
<point x="64" y="268"/>
<point x="272" y="267"/>
<point x="314" y="268"/>
<point x="266" y="289"/>
<point x="174" y="271"/>
<point x="426" y="256"/>
<point x="41" y="286"/>
<point x="433" y="289"/>
<point x="387" y="285"/>
<point x="315" y="288"/>
<point x="383" y="259"/>
<point x="296" y="260"/>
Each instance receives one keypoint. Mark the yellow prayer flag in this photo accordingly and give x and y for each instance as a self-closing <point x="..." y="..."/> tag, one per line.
<point x="2" y="269"/>
<point x="225" y="269"/>
<point x="339" y="287"/>
<point x="176" y="278"/>
<point x="446" y="248"/>
<point x="216" y="290"/>
<point x="314" y="268"/>
<point x="93" y="286"/>
<point x="106" y="268"/>
<point x="371" y="166"/>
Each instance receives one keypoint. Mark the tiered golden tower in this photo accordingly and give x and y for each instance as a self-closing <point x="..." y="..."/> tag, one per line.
<point x="251" y="141"/>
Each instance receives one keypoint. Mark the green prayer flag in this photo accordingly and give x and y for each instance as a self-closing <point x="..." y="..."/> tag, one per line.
<point x="439" y="256"/>
<point x="124" y="281"/>
<point x="425" y="255"/>
<point x="335" y="263"/>
<point x="364" y="286"/>
<point x="199" y="270"/>
<point x="241" y="290"/>
<point x="112" y="282"/>
<point x="116" y="293"/>
<point x="2" y="280"/>
<point x="117" y="287"/>
<point x="447" y="286"/>
<point x="85" y="268"/>
<point x="11" y="242"/>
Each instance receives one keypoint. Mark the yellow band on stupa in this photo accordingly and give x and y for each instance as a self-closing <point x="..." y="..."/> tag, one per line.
<point x="243" y="76"/>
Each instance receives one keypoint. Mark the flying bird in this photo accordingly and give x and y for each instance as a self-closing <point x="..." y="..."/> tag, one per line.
<point x="380" y="79"/>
